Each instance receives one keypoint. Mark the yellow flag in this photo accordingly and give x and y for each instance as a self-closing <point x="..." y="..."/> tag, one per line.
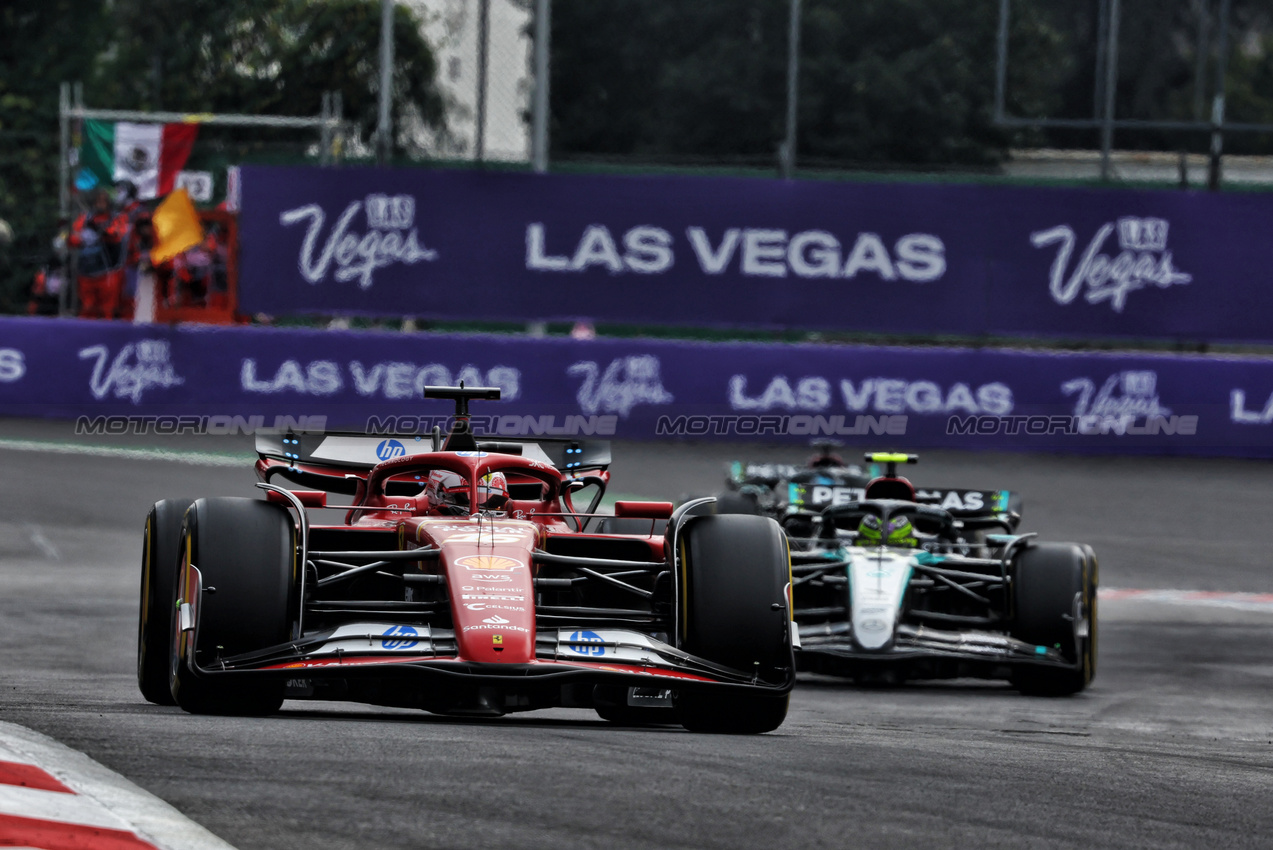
<point x="176" y="227"/>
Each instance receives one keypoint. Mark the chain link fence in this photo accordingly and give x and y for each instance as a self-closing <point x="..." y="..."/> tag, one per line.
<point x="901" y="86"/>
<point x="484" y="71"/>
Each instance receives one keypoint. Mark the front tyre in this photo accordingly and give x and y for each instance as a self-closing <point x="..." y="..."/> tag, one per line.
<point x="734" y="715"/>
<point x="733" y="611"/>
<point x="1054" y="594"/>
<point x="160" y="564"/>
<point x="240" y="573"/>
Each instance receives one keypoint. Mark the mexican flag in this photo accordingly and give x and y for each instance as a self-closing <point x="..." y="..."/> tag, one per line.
<point x="147" y="155"/>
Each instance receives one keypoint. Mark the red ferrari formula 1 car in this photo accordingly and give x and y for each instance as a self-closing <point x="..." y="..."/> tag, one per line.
<point x="462" y="579"/>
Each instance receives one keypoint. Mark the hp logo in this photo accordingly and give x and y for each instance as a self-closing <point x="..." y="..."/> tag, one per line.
<point x="400" y="637"/>
<point x="390" y="449"/>
<point x="586" y="638"/>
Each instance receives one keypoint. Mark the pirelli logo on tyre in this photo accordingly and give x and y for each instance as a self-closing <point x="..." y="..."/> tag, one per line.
<point x="489" y="563"/>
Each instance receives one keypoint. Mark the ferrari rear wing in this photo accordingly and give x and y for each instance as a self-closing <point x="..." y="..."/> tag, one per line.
<point x="355" y="452"/>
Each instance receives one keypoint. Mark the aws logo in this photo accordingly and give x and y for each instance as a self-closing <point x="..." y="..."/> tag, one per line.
<point x="489" y="563"/>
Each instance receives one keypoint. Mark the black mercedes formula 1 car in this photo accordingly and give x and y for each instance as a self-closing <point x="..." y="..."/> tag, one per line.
<point x="892" y="584"/>
<point x="795" y="495"/>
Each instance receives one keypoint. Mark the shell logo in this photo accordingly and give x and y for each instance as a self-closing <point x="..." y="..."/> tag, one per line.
<point x="484" y="563"/>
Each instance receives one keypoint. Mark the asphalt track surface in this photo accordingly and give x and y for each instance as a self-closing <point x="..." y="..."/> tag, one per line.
<point x="1171" y="747"/>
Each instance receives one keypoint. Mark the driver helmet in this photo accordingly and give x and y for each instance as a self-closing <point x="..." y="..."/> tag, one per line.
<point x="448" y="492"/>
<point x="492" y="491"/>
<point x="898" y="531"/>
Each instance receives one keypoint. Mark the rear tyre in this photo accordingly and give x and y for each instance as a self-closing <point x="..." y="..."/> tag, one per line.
<point x="247" y="588"/>
<point x="734" y="575"/>
<point x="1055" y="606"/>
<point x="160" y="563"/>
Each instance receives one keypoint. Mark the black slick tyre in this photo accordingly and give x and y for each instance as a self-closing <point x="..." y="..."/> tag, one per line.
<point x="160" y="563"/>
<point x="1054" y="596"/>
<point x="733" y="611"/>
<point x="247" y="589"/>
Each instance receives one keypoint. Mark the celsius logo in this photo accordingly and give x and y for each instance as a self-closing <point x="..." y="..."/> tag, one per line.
<point x="400" y="637"/>
<point x="390" y="449"/>
<point x="586" y="643"/>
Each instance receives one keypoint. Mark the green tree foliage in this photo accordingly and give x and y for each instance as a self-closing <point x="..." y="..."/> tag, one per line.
<point x="903" y="81"/>
<point x="194" y="56"/>
<point x="912" y="81"/>
<point x="654" y="78"/>
<point x="882" y="82"/>
<point x="41" y="42"/>
<point x="273" y="57"/>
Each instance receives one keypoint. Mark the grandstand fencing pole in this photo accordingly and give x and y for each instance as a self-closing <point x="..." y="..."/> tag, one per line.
<point x="338" y="119"/>
<point x="1217" y="104"/>
<point x="787" y="152"/>
<point x="539" y="106"/>
<point x="1001" y="62"/>
<point x="64" y="149"/>
<point x="325" y="136"/>
<point x="1111" y="88"/>
<point x="288" y="122"/>
<point x="1200" y="61"/>
<point x="1102" y="46"/>
<point x="72" y="286"/>
<point x="483" y="44"/>
<point x="384" y="131"/>
<point x="1199" y="81"/>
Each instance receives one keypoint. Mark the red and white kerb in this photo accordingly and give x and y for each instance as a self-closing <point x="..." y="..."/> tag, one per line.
<point x="38" y="811"/>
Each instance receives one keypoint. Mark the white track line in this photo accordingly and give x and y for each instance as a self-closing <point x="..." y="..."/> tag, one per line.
<point x="43" y="543"/>
<point x="190" y="458"/>
<point x="1192" y="598"/>
<point x="102" y="797"/>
